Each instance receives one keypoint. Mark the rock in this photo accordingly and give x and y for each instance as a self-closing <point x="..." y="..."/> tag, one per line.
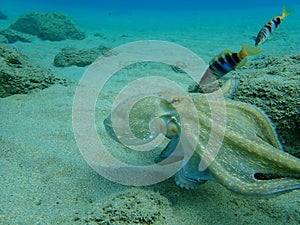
<point x="19" y="76"/>
<point x="273" y="84"/>
<point x="98" y="34"/>
<point x="13" y="36"/>
<point x="48" y="26"/>
<point x="3" y="39"/>
<point x="78" y="57"/>
<point x="137" y="207"/>
<point x="2" y="16"/>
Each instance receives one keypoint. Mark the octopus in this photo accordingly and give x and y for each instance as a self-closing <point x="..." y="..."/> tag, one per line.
<point x="250" y="159"/>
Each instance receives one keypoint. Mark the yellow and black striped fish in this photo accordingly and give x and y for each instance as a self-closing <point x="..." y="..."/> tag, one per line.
<point x="227" y="60"/>
<point x="271" y="26"/>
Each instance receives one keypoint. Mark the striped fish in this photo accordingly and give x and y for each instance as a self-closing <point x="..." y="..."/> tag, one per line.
<point x="271" y="26"/>
<point x="226" y="62"/>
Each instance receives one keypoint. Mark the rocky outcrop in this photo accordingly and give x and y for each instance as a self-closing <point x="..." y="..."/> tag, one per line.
<point x="78" y="57"/>
<point x="13" y="36"/>
<point x="18" y="75"/>
<point x="48" y="26"/>
<point x="3" y="39"/>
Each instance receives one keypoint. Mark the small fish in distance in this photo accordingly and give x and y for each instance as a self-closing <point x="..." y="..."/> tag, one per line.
<point x="271" y="26"/>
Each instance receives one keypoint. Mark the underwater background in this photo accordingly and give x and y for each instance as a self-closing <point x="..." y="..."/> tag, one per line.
<point x="44" y="178"/>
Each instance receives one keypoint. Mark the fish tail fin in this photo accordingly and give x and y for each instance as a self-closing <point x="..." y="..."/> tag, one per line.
<point x="286" y="11"/>
<point x="249" y="50"/>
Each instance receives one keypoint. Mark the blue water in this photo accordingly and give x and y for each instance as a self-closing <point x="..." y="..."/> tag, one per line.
<point x="86" y="7"/>
<point x="149" y="5"/>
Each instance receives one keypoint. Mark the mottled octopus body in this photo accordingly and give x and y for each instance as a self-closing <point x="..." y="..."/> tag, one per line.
<point x="250" y="159"/>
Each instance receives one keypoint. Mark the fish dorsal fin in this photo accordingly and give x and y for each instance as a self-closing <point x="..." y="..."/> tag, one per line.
<point x="224" y="52"/>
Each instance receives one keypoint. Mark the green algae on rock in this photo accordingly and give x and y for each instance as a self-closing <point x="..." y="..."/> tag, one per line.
<point x="18" y="75"/>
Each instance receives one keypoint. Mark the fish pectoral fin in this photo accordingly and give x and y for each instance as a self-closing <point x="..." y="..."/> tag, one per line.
<point x="242" y="63"/>
<point x="172" y="153"/>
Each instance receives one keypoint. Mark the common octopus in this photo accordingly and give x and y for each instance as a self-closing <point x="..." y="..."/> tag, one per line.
<point x="250" y="159"/>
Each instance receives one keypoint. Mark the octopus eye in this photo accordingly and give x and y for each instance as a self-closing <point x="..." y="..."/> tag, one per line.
<point x="175" y="100"/>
